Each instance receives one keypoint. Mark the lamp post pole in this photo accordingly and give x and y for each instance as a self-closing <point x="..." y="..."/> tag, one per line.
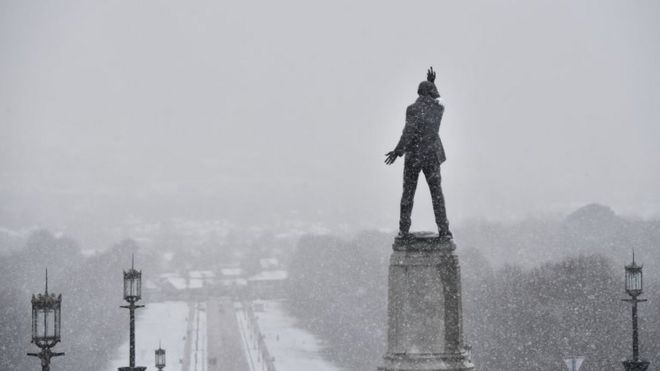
<point x="131" y="349"/>
<point x="634" y="287"/>
<point x="635" y="334"/>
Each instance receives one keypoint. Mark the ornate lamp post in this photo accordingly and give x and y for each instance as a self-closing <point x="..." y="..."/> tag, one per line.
<point x="160" y="358"/>
<point x="634" y="284"/>
<point x="132" y="293"/>
<point x="46" y="320"/>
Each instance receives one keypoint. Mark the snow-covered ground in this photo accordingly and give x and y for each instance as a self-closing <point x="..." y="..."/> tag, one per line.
<point x="293" y="348"/>
<point x="164" y="322"/>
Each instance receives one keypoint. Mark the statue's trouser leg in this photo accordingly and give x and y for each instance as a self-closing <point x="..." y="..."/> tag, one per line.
<point x="432" y="173"/>
<point x="410" y="175"/>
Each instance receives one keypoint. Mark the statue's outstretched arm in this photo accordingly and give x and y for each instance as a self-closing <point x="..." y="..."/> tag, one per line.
<point x="405" y="140"/>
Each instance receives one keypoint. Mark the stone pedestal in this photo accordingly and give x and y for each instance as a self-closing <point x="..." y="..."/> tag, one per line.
<point x="425" y="325"/>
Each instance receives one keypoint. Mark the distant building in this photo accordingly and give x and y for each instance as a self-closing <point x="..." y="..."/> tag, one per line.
<point x="268" y="284"/>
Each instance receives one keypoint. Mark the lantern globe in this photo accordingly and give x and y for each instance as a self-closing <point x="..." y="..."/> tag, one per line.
<point x="46" y="319"/>
<point x="132" y="285"/>
<point x="634" y="279"/>
<point x="160" y="358"/>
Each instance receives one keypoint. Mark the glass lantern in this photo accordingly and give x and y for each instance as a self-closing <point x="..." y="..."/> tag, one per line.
<point x="132" y="285"/>
<point x="160" y="358"/>
<point x="46" y="319"/>
<point x="634" y="279"/>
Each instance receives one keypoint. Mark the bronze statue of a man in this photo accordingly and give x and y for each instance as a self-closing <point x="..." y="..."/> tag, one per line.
<point x="421" y="144"/>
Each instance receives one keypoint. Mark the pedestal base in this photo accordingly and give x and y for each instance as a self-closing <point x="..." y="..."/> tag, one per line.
<point x="138" y="368"/>
<point x="426" y="362"/>
<point x="425" y="326"/>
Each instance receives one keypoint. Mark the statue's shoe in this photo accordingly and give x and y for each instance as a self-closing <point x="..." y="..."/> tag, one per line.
<point x="445" y="234"/>
<point x="403" y="234"/>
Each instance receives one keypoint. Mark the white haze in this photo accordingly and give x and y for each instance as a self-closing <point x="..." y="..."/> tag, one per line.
<point x="262" y="112"/>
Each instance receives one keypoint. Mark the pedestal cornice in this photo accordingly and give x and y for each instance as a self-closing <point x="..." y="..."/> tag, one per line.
<point x="423" y="241"/>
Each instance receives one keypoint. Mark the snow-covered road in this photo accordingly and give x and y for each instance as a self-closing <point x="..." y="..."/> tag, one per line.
<point x="195" y="354"/>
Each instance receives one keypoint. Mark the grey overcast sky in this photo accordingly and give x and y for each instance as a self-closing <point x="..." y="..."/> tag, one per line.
<point x="216" y="109"/>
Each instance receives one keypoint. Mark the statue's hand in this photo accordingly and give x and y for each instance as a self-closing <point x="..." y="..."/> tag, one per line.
<point x="430" y="75"/>
<point x="391" y="157"/>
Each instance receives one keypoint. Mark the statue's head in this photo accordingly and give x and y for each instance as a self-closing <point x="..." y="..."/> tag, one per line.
<point x="427" y="88"/>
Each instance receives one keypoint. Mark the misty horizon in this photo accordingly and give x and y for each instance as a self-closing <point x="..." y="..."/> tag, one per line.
<point x="207" y="111"/>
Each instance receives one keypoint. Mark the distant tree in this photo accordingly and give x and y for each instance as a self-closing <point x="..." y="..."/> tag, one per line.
<point x="531" y="319"/>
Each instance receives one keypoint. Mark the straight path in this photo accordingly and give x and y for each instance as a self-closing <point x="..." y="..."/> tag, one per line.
<point x="194" y="348"/>
<point x="188" y="343"/>
<point x="225" y="347"/>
